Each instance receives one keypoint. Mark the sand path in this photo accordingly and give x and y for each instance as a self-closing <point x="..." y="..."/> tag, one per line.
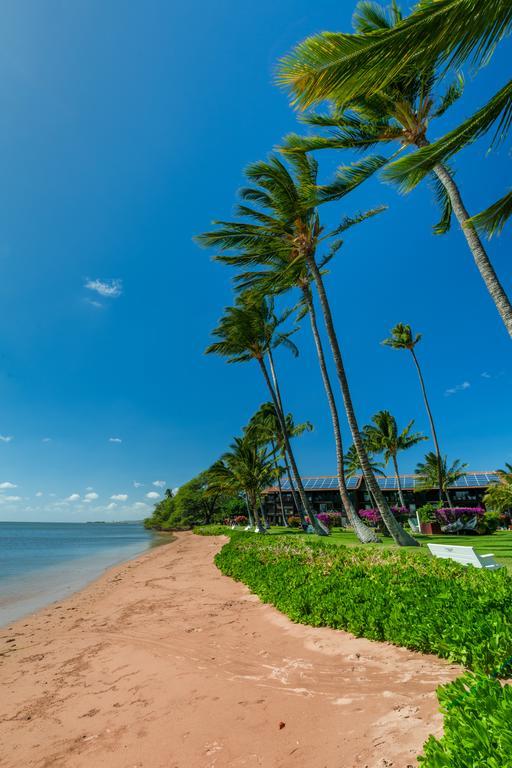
<point x="164" y="662"/>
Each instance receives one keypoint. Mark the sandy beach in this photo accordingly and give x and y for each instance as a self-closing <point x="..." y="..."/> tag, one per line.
<point x="164" y="662"/>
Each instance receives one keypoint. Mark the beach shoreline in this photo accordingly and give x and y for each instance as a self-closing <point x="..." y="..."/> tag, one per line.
<point x="163" y="662"/>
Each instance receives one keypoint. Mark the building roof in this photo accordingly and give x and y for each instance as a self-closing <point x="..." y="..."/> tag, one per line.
<point x="389" y="483"/>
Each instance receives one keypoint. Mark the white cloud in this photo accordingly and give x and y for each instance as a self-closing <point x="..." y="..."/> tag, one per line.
<point x="7" y="486"/>
<point x="112" y="505"/>
<point x="137" y="485"/>
<point x="73" y="497"/>
<point x="6" y="438"/>
<point x="91" y="496"/>
<point x="12" y="498"/>
<point x="115" y="440"/>
<point x="457" y="388"/>
<point x="46" y="440"/>
<point x="94" y="303"/>
<point x="485" y="375"/>
<point x="110" y="289"/>
<point x="140" y="505"/>
<point x="152" y="495"/>
<point x="39" y="493"/>
<point x="119" y="496"/>
<point x="159" y="483"/>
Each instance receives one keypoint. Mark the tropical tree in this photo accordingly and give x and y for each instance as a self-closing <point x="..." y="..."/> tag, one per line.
<point x="352" y="465"/>
<point x="402" y="337"/>
<point x="499" y="496"/>
<point x="248" y="467"/>
<point x="400" y="111"/>
<point x="266" y="427"/>
<point x="246" y="332"/>
<point x="383" y="437"/>
<point x="429" y="478"/>
<point x="281" y="233"/>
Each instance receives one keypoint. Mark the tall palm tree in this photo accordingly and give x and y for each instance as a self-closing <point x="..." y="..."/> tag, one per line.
<point x="281" y="234"/>
<point x="247" y="467"/>
<point x="246" y="332"/>
<point x="266" y="427"/>
<point x="402" y="337"/>
<point x="428" y="470"/>
<point x="400" y="111"/>
<point x="383" y="437"/>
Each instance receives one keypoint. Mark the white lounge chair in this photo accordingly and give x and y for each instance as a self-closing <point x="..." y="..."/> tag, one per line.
<point x="464" y="556"/>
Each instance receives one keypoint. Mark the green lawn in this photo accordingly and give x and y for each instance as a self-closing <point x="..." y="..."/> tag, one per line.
<point x="499" y="543"/>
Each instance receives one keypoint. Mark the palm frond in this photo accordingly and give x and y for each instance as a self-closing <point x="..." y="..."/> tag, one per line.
<point x="332" y="65"/>
<point x="444" y="202"/>
<point x="348" y="177"/>
<point x="408" y="171"/>
<point x="453" y="93"/>
<point x="493" y="219"/>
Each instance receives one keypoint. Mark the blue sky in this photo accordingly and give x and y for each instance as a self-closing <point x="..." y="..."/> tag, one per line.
<point x="125" y="128"/>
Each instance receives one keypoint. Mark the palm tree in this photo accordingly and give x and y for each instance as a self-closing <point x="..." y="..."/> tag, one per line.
<point x="247" y="467"/>
<point x="282" y="235"/>
<point x="499" y="496"/>
<point x="247" y="332"/>
<point x="402" y="337"/>
<point x="383" y="437"/>
<point x="428" y="470"/>
<point x="400" y="111"/>
<point x="266" y="427"/>
<point x="352" y="466"/>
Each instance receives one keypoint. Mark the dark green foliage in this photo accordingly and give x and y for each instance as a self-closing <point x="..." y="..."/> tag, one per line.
<point x="429" y="605"/>
<point x="194" y="503"/>
<point x="477" y="718"/>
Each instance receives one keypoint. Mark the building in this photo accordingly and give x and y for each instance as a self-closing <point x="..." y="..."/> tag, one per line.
<point x="322" y="492"/>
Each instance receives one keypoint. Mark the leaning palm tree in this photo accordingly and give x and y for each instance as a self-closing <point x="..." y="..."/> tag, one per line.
<point x="247" y="467"/>
<point x="499" y="496"/>
<point x="266" y="427"/>
<point x="402" y="337"/>
<point x="383" y="437"/>
<point x="429" y="474"/>
<point x="399" y="112"/>
<point x="352" y="466"/>
<point x="246" y="332"/>
<point x="281" y="233"/>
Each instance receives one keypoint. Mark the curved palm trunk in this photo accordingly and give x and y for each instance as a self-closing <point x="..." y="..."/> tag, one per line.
<point x="257" y="519"/>
<point x="448" y="498"/>
<point x="362" y="531"/>
<point x="303" y="508"/>
<point x="263" y="515"/>
<point x="482" y="261"/>
<point x="298" y="508"/>
<point x="279" y="487"/>
<point x="432" y="427"/>
<point x="249" y="513"/>
<point x="400" y="536"/>
<point x="398" y="481"/>
<point x="298" y="480"/>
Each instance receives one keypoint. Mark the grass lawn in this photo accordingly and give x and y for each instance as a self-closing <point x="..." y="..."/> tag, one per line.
<point x="499" y="543"/>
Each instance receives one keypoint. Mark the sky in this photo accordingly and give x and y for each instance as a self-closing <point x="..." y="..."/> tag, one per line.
<point x="124" y="131"/>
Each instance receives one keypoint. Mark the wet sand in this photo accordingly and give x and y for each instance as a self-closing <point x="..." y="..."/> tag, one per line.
<point x="164" y="662"/>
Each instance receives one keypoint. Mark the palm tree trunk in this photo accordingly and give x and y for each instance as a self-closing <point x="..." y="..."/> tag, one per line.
<point x="432" y="426"/>
<point x="363" y="533"/>
<point x="482" y="261"/>
<point x="263" y="515"/>
<point x="448" y="498"/>
<point x="249" y="513"/>
<point x="398" y="482"/>
<point x="298" y="509"/>
<point x="298" y="480"/>
<point x="401" y="537"/>
<point x="258" y="524"/>
<point x="301" y="507"/>
<point x="279" y="488"/>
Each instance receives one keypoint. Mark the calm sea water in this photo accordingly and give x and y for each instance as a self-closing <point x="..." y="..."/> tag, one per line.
<point x="43" y="562"/>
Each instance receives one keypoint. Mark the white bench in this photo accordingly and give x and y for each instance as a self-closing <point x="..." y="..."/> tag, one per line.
<point x="464" y="556"/>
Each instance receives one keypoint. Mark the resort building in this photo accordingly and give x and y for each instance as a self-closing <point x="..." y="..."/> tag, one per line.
<point x="322" y="492"/>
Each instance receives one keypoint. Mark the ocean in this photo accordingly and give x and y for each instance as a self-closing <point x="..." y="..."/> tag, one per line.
<point x="44" y="562"/>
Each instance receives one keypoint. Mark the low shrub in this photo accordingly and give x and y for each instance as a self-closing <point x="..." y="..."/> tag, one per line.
<point x="294" y="521"/>
<point x="489" y="522"/>
<point x="213" y="530"/>
<point x="477" y="715"/>
<point x="408" y="599"/>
